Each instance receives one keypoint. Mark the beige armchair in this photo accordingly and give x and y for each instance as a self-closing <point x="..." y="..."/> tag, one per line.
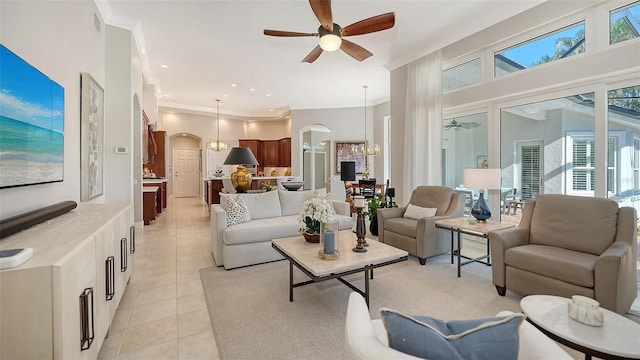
<point x="420" y="237"/>
<point x="569" y="245"/>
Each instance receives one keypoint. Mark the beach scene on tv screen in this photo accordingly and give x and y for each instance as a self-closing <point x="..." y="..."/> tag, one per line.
<point x="31" y="124"/>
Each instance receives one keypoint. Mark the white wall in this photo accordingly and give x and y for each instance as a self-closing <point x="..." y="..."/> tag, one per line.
<point x="267" y="130"/>
<point x="124" y="80"/>
<point x="202" y="126"/>
<point x="60" y="40"/>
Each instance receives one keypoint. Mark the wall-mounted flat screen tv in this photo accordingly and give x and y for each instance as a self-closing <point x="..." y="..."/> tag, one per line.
<point x="31" y="124"/>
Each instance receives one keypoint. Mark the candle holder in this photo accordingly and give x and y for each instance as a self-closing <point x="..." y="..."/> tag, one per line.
<point x="330" y="241"/>
<point x="361" y="229"/>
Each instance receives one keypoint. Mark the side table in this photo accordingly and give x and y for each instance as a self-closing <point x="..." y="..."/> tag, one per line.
<point x="618" y="338"/>
<point x="463" y="225"/>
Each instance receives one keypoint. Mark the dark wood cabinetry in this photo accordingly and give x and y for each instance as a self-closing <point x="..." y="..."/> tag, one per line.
<point x="157" y="161"/>
<point x="271" y="153"/>
<point x="284" y="152"/>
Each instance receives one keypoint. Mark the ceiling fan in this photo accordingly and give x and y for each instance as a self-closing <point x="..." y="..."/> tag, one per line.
<point x="460" y="125"/>
<point x="331" y="34"/>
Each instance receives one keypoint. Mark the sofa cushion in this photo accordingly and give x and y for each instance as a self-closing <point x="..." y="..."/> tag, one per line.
<point x="403" y="226"/>
<point x="262" y="230"/>
<point x="291" y="201"/>
<point x="430" y="338"/>
<point x="438" y="197"/>
<point x="566" y="265"/>
<point x="419" y="212"/>
<point x="260" y="205"/>
<point x="237" y="212"/>
<point x="586" y="224"/>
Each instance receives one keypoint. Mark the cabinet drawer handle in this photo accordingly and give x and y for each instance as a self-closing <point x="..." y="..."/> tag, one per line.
<point x="86" y="319"/>
<point x="123" y="254"/>
<point x="132" y="236"/>
<point x="110" y="268"/>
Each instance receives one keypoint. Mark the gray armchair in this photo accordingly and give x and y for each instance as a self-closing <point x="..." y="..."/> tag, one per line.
<point x="569" y="245"/>
<point x="420" y="237"/>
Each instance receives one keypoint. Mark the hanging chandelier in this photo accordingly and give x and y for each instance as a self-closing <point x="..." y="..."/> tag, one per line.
<point x="363" y="150"/>
<point x="217" y="145"/>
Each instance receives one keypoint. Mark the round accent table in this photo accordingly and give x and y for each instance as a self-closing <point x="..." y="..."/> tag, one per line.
<point x="618" y="338"/>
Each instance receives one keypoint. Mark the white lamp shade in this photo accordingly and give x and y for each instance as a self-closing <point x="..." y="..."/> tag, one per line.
<point x="481" y="178"/>
<point x="330" y="42"/>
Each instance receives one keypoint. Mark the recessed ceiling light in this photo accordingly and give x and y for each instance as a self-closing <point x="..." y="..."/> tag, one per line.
<point x="164" y="66"/>
<point x="225" y="95"/>
<point x="252" y="89"/>
<point x="270" y="109"/>
<point x="268" y="94"/>
<point x="234" y="85"/>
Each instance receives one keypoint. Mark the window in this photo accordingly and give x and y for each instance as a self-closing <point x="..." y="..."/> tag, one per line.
<point x="461" y="75"/>
<point x="581" y="164"/>
<point x="624" y="23"/>
<point x="624" y="123"/>
<point x="557" y="45"/>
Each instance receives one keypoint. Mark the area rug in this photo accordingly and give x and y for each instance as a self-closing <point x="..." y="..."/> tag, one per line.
<point x="252" y="317"/>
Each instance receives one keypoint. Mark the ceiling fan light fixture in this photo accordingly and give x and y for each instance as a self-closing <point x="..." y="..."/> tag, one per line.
<point x="330" y="40"/>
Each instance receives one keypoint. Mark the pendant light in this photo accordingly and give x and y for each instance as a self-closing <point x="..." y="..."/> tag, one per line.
<point x="364" y="149"/>
<point x="218" y="146"/>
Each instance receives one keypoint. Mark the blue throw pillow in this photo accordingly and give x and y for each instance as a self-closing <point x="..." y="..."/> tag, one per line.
<point x="429" y="338"/>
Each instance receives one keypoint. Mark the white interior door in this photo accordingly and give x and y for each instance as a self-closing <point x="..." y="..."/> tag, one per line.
<point x="185" y="172"/>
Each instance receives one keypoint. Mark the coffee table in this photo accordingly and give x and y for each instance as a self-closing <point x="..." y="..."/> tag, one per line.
<point x="618" y="338"/>
<point x="305" y="257"/>
<point x="462" y="225"/>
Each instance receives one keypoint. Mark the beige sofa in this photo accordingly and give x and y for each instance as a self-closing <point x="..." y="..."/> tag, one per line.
<point x="420" y="237"/>
<point x="569" y="245"/>
<point x="274" y="214"/>
<point x="366" y="338"/>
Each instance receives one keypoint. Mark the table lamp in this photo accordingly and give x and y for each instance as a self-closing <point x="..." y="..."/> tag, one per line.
<point x="241" y="178"/>
<point x="481" y="179"/>
<point x="348" y="174"/>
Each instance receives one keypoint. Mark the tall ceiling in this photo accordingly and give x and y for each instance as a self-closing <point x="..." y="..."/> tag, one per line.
<point x="208" y="46"/>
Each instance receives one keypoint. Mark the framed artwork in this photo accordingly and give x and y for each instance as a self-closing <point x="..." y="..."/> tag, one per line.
<point x="91" y="137"/>
<point x="344" y="152"/>
<point x="483" y="162"/>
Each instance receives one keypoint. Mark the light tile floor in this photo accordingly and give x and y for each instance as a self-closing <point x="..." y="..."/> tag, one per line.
<point x="163" y="313"/>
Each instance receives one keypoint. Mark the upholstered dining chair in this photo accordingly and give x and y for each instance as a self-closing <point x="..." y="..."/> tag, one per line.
<point x="569" y="245"/>
<point x="412" y="229"/>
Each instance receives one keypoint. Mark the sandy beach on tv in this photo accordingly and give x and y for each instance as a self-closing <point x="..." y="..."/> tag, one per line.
<point x="20" y="172"/>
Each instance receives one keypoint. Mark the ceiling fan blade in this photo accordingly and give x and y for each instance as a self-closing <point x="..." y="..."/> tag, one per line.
<point x="354" y="50"/>
<point x="287" y="33"/>
<point x="313" y="55"/>
<point x="372" y="24"/>
<point x="322" y="9"/>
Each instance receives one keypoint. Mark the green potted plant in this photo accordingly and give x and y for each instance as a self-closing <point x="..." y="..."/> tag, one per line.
<point x="379" y="201"/>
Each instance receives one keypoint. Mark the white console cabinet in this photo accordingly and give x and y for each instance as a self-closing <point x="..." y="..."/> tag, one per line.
<point x="60" y="303"/>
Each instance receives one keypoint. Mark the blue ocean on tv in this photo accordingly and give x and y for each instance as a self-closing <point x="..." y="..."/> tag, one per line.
<point x="26" y="142"/>
<point x="31" y="124"/>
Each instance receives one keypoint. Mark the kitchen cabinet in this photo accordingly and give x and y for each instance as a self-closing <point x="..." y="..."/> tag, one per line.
<point x="284" y="152"/>
<point x="157" y="164"/>
<point x="213" y="189"/>
<point x="270" y="153"/>
<point x="55" y="305"/>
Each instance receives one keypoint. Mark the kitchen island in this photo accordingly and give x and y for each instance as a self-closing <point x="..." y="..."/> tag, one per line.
<point x="213" y="186"/>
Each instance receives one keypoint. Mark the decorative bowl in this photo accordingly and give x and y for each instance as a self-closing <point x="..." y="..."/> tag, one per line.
<point x="292" y="185"/>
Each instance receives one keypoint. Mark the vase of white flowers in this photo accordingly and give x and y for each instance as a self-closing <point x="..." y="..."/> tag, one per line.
<point x="314" y="213"/>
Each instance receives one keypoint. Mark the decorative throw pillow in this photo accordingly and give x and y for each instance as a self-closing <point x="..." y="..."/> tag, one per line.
<point x="429" y="338"/>
<point x="237" y="212"/>
<point x="419" y="212"/>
